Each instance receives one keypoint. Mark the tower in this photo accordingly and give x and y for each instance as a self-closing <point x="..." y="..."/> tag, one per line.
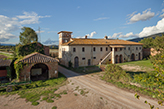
<point x="64" y="37"/>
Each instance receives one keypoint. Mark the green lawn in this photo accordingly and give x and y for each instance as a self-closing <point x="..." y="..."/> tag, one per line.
<point x="142" y="63"/>
<point x="32" y="92"/>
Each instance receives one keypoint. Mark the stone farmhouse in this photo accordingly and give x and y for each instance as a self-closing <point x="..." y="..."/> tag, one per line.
<point x="86" y="52"/>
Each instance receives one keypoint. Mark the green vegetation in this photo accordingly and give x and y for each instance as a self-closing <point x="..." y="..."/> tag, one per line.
<point x="32" y="92"/>
<point x="147" y="83"/>
<point x="142" y="63"/>
<point x="148" y="42"/>
<point x="28" y="35"/>
<point x="54" y="107"/>
<point x="85" y="70"/>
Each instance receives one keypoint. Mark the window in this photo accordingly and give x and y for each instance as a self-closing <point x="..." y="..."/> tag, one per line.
<point x="94" y="57"/>
<point x="101" y="49"/>
<point x="83" y="58"/>
<point x="74" y="49"/>
<point x="128" y="48"/>
<point x="106" y="48"/>
<point x="136" y="48"/>
<point x="115" y="49"/>
<point x="140" y="47"/>
<point x="94" y="49"/>
<point x="83" y="49"/>
<point x="136" y="54"/>
<point x="125" y="48"/>
<point x="120" y="49"/>
<point x="110" y="49"/>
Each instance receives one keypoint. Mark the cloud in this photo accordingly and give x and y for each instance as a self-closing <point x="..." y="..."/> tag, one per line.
<point x="30" y="18"/>
<point x="101" y="18"/>
<point x="9" y="25"/>
<point x="78" y="7"/>
<point x="162" y="15"/>
<point x="40" y="31"/>
<point x="158" y="28"/>
<point x="120" y="35"/>
<point x="145" y="15"/>
<point x="88" y="35"/>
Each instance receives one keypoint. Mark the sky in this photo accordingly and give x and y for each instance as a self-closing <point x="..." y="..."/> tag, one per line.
<point x="123" y="19"/>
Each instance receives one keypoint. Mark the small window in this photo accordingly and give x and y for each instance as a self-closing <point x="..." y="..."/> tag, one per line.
<point x="94" y="57"/>
<point x="100" y="59"/>
<point x="94" y="48"/>
<point x="106" y="48"/>
<point x="83" y="58"/>
<point x="136" y="48"/>
<point x="140" y="47"/>
<point x="136" y="54"/>
<point x="120" y="49"/>
<point x="128" y="48"/>
<point x="115" y="49"/>
<point x="83" y="49"/>
<point x="74" y="49"/>
<point x="125" y="48"/>
<point x="109" y="59"/>
<point x="101" y="49"/>
<point x="110" y="49"/>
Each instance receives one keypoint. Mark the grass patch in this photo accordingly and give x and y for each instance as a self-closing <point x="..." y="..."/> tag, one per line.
<point x="32" y="92"/>
<point x="84" y="70"/>
<point x="54" y="107"/>
<point x="35" y="103"/>
<point x="141" y="63"/>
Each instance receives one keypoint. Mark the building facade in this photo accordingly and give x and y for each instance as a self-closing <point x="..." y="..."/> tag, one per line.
<point x="86" y="52"/>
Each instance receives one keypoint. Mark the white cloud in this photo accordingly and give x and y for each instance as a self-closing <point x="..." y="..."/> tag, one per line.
<point x="158" y="28"/>
<point x="162" y="15"/>
<point x="9" y="25"/>
<point x="40" y="31"/>
<point x="101" y="18"/>
<point x="145" y="15"/>
<point x="88" y="35"/>
<point x="120" y="35"/>
<point x="153" y="29"/>
<point x="30" y="18"/>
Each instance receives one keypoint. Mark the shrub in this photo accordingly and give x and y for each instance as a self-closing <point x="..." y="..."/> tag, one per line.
<point x="115" y="73"/>
<point x="35" y="103"/>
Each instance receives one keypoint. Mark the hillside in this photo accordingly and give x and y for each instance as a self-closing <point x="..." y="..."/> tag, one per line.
<point x="139" y="39"/>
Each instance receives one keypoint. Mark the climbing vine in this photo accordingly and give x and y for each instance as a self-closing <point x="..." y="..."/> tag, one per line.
<point x="23" y="50"/>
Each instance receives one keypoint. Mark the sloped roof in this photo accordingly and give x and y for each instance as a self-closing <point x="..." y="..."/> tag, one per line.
<point x="76" y="41"/>
<point x="4" y="62"/>
<point x="37" y="58"/>
<point x="64" y="32"/>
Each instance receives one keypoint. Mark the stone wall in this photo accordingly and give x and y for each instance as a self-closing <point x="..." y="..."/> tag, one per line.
<point x="25" y="72"/>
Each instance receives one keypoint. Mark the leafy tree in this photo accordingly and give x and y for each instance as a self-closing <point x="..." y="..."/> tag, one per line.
<point x="147" y="42"/>
<point x="28" y="35"/>
<point x="158" y="59"/>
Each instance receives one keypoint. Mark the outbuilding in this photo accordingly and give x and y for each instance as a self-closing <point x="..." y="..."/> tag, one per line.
<point x="38" y="67"/>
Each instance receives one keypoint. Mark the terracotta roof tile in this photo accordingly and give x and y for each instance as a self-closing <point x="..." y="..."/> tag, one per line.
<point x="64" y="32"/>
<point x="75" y="41"/>
<point x="4" y="62"/>
<point x="37" y="58"/>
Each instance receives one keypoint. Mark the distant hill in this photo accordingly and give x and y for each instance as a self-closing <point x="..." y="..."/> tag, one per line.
<point x="7" y="44"/>
<point x="53" y="46"/>
<point x="153" y="36"/>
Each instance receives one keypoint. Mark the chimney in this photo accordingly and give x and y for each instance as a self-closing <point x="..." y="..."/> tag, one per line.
<point x="85" y="36"/>
<point x="106" y="37"/>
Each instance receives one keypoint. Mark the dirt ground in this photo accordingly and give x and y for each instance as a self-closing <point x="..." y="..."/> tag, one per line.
<point x="83" y="92"/>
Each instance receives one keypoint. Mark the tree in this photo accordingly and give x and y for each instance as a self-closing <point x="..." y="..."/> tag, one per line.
<point x="147" y="42"/>
<point x="28" y="35"/>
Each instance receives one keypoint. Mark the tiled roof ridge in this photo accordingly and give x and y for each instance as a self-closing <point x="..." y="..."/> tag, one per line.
<point x="34" y="54"/>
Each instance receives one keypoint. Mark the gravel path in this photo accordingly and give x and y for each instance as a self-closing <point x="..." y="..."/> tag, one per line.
<point x="118" y="97"/>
